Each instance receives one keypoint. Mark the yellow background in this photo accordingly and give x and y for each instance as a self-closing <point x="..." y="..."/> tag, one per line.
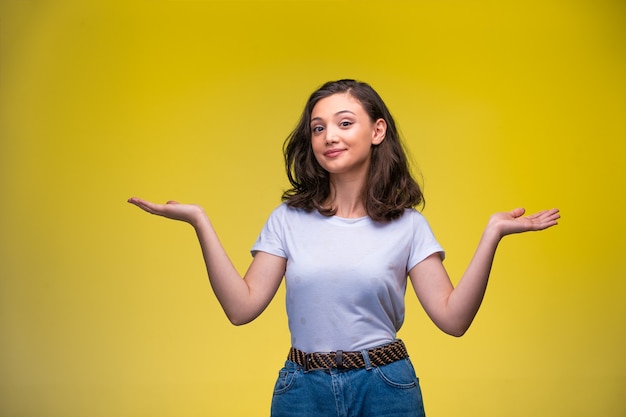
<point x="106" y="311"/>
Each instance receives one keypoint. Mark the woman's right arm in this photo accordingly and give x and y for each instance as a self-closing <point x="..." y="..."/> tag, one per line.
<point x="242" y="299"/>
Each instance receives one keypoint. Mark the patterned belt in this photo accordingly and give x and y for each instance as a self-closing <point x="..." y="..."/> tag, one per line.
<point x="378" y="356"/>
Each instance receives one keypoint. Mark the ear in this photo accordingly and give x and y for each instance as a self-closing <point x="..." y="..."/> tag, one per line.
<point x="379" y="131"/>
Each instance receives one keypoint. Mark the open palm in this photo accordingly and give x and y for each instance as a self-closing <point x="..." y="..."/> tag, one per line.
<point x="512" y="222"/>
<point x="189" y="213"/>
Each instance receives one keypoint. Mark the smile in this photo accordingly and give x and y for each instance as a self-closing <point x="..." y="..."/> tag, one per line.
<point x="331" y="153"/>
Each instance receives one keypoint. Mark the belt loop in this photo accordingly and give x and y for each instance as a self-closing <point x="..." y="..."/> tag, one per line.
<point x="339" y="359"/>
<point x="307" y="362"/>
<point x="366" y="359"/>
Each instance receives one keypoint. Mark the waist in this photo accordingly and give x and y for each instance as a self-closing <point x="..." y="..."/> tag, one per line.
<point x="378" y="356"/>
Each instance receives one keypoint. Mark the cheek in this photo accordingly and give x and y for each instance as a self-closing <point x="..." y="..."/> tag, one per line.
<point x="319" y="159"/>
<point x="317" y="145"/>
<point x="318" y="149"/>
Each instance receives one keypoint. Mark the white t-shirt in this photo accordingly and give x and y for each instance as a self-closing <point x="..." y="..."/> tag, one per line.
<point x="345" y="278"/>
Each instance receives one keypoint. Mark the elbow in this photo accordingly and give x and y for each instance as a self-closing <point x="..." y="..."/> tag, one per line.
<point x="238" y="321"/>
<point x="240" y="318"/>
<point x="457" y="330"/>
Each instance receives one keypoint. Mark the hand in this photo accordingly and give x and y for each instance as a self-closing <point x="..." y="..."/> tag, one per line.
<point x="189" y="213"/>
<point x="513" y="222"/>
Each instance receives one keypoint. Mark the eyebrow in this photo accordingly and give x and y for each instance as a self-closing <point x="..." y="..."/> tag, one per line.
<point x="336" y="114"/>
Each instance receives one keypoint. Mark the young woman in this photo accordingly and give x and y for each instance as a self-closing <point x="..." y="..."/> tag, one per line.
<point x="346" y="238"/>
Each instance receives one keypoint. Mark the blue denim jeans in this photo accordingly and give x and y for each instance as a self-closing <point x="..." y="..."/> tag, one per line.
<point x="386" y="391"/>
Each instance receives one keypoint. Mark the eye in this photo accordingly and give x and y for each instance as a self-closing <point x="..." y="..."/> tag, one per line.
<point x="345" y="123"/>
<point x="317" y="129"/>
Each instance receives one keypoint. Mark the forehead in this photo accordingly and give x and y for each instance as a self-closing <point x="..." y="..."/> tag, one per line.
<point x="331" y="105"/>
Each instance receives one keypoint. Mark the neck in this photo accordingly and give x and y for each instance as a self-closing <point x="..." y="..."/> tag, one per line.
<point x="347" y="198"/>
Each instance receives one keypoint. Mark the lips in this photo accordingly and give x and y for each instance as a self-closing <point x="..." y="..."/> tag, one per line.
<point x="331" y="153"/>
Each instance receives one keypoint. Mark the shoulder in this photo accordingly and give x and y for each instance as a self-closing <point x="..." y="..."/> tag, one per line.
<point x="285" y="212"/>
<point x="412" y="215"/>
<point x="415" y="220"/>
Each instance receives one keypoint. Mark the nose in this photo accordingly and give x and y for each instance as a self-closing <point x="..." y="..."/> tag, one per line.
<point x="331" y="137"/>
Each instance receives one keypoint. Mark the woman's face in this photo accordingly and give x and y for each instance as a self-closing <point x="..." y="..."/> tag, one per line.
<point x="342" y="135"/>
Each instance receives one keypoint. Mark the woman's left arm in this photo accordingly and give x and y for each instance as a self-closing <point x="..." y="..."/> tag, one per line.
<point x="453" y="309"/>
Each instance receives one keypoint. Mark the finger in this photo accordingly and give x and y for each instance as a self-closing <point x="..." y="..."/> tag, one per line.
<point x="134" y="200"/>
<point x="146" y="205"/>
<point x="536" y="216"/>
<point x="555" y="213"/>
<point x="138" y="202"/>
<point x="545" y="223"/>
<point x="518" y="212"/>
<point x="552" y="213"/>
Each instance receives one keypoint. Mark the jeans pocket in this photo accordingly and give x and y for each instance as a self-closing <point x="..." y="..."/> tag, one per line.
<point x="399" y="374"/>
<point x="285" y="380"/>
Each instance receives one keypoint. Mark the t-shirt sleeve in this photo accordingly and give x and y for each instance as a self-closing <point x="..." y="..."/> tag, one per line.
<point x="271" y="238"/>
<point x="424" y="242"/>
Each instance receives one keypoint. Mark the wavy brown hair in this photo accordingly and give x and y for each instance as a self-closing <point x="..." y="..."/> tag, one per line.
<point x="389" y="187"/>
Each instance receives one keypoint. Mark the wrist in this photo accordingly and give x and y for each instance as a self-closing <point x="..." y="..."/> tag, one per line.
<point x="493" y="233"/>
<point x="199" y="219"/>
